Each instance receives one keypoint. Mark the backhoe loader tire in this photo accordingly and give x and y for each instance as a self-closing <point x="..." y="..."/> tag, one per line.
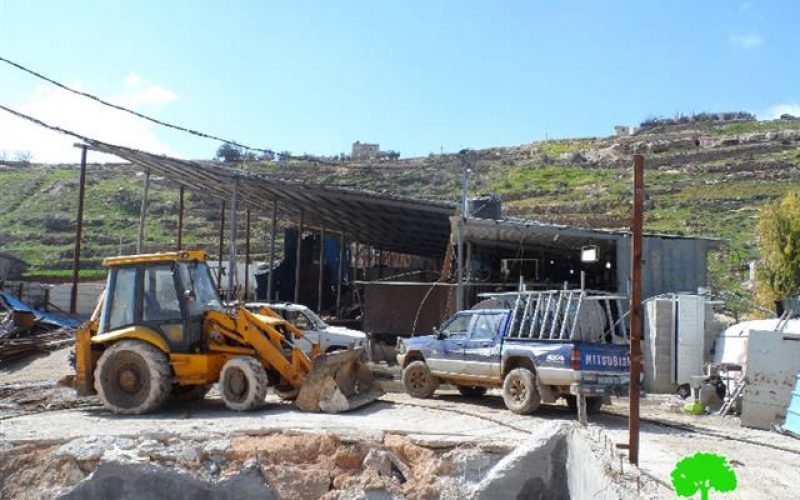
<point x="243" y="384"/>
<point x="133" y="377"/>
<point x="190" y="392"/>
<point x="418" y="380"/>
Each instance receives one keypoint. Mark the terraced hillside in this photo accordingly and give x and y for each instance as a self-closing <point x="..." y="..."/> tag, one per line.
<point x="702" y="179"/>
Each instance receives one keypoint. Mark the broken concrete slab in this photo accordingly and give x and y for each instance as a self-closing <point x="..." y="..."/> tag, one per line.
<point x="148" y="482"/>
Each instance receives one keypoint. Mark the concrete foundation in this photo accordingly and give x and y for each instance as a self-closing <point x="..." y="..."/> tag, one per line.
<point x="558" y="462"/>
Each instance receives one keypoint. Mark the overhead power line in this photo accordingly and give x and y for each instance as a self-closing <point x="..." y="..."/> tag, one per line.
<point x="47" y="126"/>
<point x="130" y="111"/>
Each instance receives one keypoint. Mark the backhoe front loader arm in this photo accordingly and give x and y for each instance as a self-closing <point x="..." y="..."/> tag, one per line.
<point x="262" y="334"/>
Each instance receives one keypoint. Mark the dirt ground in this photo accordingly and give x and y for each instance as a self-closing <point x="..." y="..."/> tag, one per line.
<point x="37" y="413"/>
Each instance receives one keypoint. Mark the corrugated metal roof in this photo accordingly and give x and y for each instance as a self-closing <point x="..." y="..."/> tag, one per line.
<point x="535" y="233"/>
<point x="387" y="222"/>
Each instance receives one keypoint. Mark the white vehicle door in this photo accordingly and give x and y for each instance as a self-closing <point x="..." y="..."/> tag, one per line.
<point x="310" y="336"/>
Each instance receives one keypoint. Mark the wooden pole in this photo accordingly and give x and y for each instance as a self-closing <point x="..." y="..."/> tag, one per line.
<point x="76" y="258"/>
<point x="232" y="271"/>
<point x="247" y="256"/>
<point x="221" y="242"/>
<point x="298" y="255"/>
<point x="321" y="277"/>
<point x="180" y="218"/>
<point x="339" y="274"/>
<point x="273" y="233"/>
<point x="636" y="306"/>
<point x="143" y="212"/>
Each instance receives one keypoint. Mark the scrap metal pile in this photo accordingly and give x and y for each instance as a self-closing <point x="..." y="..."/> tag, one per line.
<point x="24" y="330"/>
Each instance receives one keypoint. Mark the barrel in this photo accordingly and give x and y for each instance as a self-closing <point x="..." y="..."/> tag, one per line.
<point x="793" y="413"/>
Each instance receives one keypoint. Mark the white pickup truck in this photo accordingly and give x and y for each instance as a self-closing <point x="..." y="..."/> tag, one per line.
<point x="330" y="338"/>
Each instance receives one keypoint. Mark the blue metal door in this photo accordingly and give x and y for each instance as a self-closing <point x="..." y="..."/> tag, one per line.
<point x="481" y="357"/>
<point x="447" y="357"/>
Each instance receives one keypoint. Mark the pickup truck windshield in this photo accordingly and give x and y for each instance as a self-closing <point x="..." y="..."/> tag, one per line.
<point x="315" y="320"/>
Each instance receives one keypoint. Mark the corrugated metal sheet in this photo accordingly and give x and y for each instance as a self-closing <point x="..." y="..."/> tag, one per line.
<point x="671" y="265"/>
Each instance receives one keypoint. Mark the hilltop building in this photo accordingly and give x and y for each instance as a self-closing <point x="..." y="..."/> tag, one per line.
<point x="365" y="151"/>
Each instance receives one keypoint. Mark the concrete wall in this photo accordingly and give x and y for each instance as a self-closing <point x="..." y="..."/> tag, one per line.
<point x="557" y="461"/>
<point x="88" y="293"/>
<point x="773" y="361"/>
<point x="658" y="346"/>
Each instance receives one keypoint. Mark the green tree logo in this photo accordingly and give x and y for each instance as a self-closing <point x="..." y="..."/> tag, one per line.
<point x="703" y="472"/>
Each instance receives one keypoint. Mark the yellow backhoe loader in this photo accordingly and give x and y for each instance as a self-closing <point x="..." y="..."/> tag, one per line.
<point x="160" y="330"/>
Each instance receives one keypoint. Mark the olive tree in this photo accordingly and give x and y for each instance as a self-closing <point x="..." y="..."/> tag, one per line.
<point x="778" y="267"/>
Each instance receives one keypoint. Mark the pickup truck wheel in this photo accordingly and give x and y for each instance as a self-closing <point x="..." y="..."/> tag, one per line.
<point x="419" y="381"/>
<point x="593" y="404"/>
<point x="519" y="391"/>
<point x="471" y="391"/>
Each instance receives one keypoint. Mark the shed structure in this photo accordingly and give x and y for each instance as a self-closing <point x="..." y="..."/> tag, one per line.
<point x="498" y="251"/>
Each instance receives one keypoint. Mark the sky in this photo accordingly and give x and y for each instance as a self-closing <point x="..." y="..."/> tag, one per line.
<point x="415" y="76"/>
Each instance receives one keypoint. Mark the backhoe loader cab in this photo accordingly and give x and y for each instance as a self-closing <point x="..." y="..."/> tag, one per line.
<point x="161" y="330"/>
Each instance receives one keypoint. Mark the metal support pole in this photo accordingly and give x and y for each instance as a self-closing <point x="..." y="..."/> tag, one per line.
<point x="356" y="255"/>
<point x="380" y="264"/>
<point x="180" y="218"/>
<point x="221" y="238"/>
<point x="636" y="306"/>
<point x="247" y="256"/>
<point x="232" y="274"/>
<point x="143" y="212"/>
<point x="460" y="266"/>
<point x="339" y="275"/>
<point x="76" y="258"/>
<point x="321" y="277"/>
<point x="298" y="256"/>
<point x="273" y="232"/>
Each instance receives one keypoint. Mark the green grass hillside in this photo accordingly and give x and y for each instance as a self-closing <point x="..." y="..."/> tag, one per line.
<point x="704" y="179"/>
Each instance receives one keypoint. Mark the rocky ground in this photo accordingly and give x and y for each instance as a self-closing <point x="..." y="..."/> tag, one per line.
<point x="447" y="447"/>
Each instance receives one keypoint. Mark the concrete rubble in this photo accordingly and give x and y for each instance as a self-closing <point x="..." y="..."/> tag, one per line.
<point x="297" y="465"/>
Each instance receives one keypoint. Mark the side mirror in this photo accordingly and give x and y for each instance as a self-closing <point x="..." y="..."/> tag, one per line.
<point x="189" y="296"/>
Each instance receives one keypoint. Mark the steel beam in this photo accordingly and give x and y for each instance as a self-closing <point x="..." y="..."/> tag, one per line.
<point x="76" y="258"/>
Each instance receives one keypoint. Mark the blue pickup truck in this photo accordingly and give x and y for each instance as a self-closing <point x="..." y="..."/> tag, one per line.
<point x="538" y="347"/>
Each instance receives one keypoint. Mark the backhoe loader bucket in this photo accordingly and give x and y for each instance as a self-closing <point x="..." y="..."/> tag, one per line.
<point x="338" y="382"/>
